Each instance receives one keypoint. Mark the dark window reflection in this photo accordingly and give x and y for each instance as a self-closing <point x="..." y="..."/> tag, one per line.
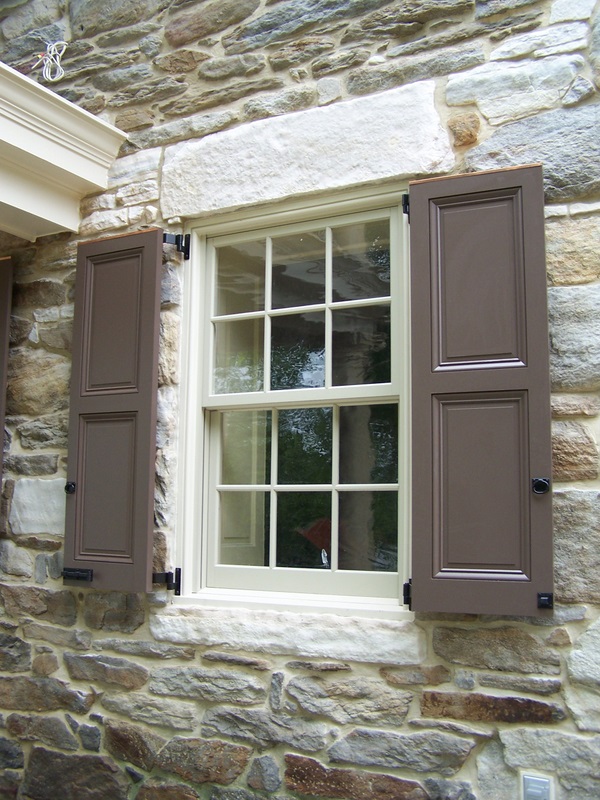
<point x="304" y="529"/>
<point x="361" y="261"/>
<point x="368" y="538"/>
<point x="305" y="445"/>
<point x="361" y="346"/>
<point x="298" y="350"/>
<point x="372" y="432"/>
<point x="298" y="270"/>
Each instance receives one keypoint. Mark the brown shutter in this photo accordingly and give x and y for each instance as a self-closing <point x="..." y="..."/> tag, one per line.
<point x="112" y="429"/>
<point x="482" y="539"/>
<point x="6" y="274"/>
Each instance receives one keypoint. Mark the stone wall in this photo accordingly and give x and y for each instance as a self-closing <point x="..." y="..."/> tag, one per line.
<point x="110" y="695"/>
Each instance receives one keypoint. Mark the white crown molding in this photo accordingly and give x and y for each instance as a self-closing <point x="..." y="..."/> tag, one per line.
<point x="52" y="153"/>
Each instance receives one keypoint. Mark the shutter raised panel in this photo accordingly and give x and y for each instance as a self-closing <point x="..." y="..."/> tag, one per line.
<point x="6" y="279"/>
<point x="482" y="540"/>
<point x="112" y="425"/>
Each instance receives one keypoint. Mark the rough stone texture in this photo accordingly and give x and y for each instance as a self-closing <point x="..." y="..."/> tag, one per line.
<point x="440" y="789"/>
<point x="144" y="649"/>
<point x="258" y="664"/>
<point x="574" y="452"/>
<point x="507" y="92"/>
<point x="280" y="103"/>
<point x="236" y="167"/>
<point x="224" y="686"/>
<point x="583" y="695"/>
<point x="46" y="432"/>
<point x="354" y="700"/>
<point x="574" y="317"/>
<point x="210" y="18"/>
<point x="49" y="391"/>
<point x="264" y="774"/>
<point x="487" y="708"/>
<point x="106" y="669"/>
<point x="87" y="18"/>
<point x="575" y="405"/>
<point x="56" y="607"/>
<point x="201" y="761"/>
<point x="571" y="257"/>
<point x="573" y="759"/>
<point x="303" y="635"/>
<point x="41" y="694"/>
<point x="496" y="780"/>
<point x="166" y="791"/>
<point x="71" y="639"/>
<point x="44" y="664"/>
<point x="563" y="140"/>
<point x="464" y="128"/>
<point x="417" y="675"/>
<point x="173" y="714"/>
<point x="38" y="506"/>
<point x="113" y="611"/>
<point x="15" y="654"/>
<point x="408" y="69"/>
<point x="129" y="743"/>
<point x="533" y="685"/>
<point x="49" y="730"/>
<point x="15" y="560"/>
<point x="11" y="755"/>
<point x="32" y="465"/>
<point x="265" y="729"/>
<point x="431" y="751"/>
<point x="576" y="551"/>
<point x="309" y="777"/>
<point x="506" y="648"/>
<point x="293" y="16"/>
<point x="51" y="775"/>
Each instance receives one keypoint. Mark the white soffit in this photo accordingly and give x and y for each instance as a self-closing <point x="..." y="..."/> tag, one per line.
<point x="52" y="153"/>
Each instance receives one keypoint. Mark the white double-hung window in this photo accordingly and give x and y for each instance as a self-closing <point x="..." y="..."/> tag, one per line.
<point x="298" y="389"/>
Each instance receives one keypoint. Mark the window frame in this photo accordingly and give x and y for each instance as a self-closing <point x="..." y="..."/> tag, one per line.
<point x="193" y="517"/>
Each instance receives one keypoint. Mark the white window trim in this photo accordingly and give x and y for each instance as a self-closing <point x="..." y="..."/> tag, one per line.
<point x="192" y="484"/>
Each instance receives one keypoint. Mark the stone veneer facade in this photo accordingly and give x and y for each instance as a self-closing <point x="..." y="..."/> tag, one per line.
<point x="110" y="695"/>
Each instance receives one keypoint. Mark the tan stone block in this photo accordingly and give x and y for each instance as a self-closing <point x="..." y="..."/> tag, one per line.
<point x="572" y="252"/>
<point x="465" y="128"/>
<point x="575" y="405"/>
<point x="574" y="452"/>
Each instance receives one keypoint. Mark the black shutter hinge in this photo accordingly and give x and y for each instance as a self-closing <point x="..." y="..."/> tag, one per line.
<point x="75" y="574"/>
<point x="172" y="580"/>
<point x="406" y="205"/>
<point x="181" y="242"/>
<point x="407" y="593"/>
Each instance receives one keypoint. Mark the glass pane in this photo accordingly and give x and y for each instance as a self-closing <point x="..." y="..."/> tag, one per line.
<point x="369" y="531"/>
<point x="239" y="356"/>
<point x="369" y="444"/>
<point x="298" y="270"/>
<point x="361" y="260"/>
<point x="241" y="278"/>
<point x="298" y="351"/>
<point x="305" y="445"/>
<point x="304" y="529"/>
<point x="245" y="447"/>
<point x="244" y="528"/>
<point x="361" y="345"/>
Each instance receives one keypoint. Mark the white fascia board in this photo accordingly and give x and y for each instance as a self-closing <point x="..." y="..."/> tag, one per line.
<point x="64" y="146"/>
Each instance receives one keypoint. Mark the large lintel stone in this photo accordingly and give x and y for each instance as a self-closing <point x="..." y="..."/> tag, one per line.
<point x="393" y="134"/>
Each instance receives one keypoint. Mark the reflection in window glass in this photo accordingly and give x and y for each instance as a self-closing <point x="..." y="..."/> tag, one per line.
<point x="245" y="447"/>
<point x="361" y="346"/>
<point x="361" y="260"/>
<point x="305" y="445"/>
<point x="368" y="538"/>
<point x="244" y="528"/>
<point x="240" y="278"/>
<point x="239" y="356"/>
<point x="304" y="529"/>
<point x="298" y="350"/>
<point x="298" y="270"/>
<point x="371" y="431"/>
